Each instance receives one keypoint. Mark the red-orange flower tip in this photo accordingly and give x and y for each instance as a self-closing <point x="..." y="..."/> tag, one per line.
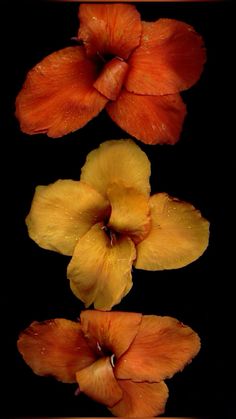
<point x="118" y="359"/>
<point x="133" y="69"/>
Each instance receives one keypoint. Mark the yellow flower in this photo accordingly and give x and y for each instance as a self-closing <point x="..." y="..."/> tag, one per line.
<point x="108" y="222"/>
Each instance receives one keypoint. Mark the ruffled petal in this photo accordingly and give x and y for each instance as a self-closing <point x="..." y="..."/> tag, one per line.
<point x="169" y="59"/>
<point x="109" y="29"/>
<point x="100" y="269"/>
<point x="120" y="161"/>
<point x="58" y="96"/>
<point x="150" y="119"/>
<point x="98" y="382"/>
<point x="179" y="235"/>
<point x="110" y="331"/>
<point x="62" y="212"/>
<point x="162" y="347"/>
<point x="110" y="81"/>
<point x="129" y="212"/>
<point x="55" y="347"/>
<point x="141" y="399"/>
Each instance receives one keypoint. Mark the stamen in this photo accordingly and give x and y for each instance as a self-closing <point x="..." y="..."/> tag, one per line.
<point x="113" y="360"/>
<point x="111" y="234"/>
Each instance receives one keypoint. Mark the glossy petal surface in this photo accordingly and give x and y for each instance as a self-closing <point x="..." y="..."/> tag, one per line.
<point x="109" y="29"/>
<point x="99" y="383"/>
<point x="117" y="161"/>
<point x="150" y="119"/>
<point x="169" y="59"/>
<point x="55" y="347"/>
<point x="162" y="347"/>
<point x="62" y="212"/>
<point x="58" y="96"/>
<point x="100" y="269"/>
<point x="141" y="399"/>
<point x="179" y="235"/>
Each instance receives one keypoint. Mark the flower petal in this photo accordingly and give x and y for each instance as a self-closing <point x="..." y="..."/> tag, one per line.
<point x="179" y="235"/>
<point x="162" y="347"/>
<point x="169" y="59"/>
<point x="62" y="212"/>
<point x="100" y="270"/>
<point x="110" y="81"/>
<point x="58" y="96"/>
<point x="109" y="29"/>
<point x="110" y="331"/>
<point x="98" y="382"/>
<point x="117" y="161"/>
<point x="129" y="212"/>
<point x="55" y="347"/>
<point x="151" y="119"/>
<point x="141" y="399"/>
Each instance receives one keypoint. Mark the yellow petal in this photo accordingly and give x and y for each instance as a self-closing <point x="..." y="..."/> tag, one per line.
<point x="179" y="235"/>
<point x="100" y="269"/>
<point x="56" y="347"/>
<point x="62" y="212"/>
<point x="98" y="382"/>
<point x="117" y="161"/>
<point x="141" y="399"/>
<point x="129" y="212"/>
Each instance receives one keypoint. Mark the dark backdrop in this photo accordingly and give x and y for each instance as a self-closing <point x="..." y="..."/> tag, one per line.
<point x="196" y="170"/>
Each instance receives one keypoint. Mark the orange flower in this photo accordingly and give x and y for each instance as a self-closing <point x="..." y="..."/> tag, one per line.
<point x="118" y="359"/>
<point x="107" y="222"/>
<point x="133" y="69"/>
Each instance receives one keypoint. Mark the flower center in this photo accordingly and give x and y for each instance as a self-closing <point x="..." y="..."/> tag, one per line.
<point x="111" y="234"/>
<point x="105" y="352"/>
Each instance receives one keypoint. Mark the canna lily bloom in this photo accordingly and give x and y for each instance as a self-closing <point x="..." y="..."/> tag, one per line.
<point x="118" y="359"/>
<point x="133" y="69"/>
<point x="108" y="222"/>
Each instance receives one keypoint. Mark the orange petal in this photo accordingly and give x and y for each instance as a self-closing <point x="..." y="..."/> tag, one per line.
<point x="110" y="81"/>
<point x="58" y="96"/>
<point x="55" y="347"/>
<point x="169" y="59"/>
<point x="141" y="399"/>
<point x="179" y="235"/>
<point x="113" y="331"/>
<point x="62" y="212"/>
<point x="162" y="347"/>
<point x="129" y="212"/>
<point x="151" y="119"/>
<point x="100" y="269"/>
<point x="98" y="382"/>
<point x="120" y="161"/>
<point x="109" y="29"/>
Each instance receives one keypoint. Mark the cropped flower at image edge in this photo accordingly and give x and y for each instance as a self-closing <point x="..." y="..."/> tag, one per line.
<point x="108" y="222"/>
<point x="118" y="359"/>
<point x="133" y="69"/>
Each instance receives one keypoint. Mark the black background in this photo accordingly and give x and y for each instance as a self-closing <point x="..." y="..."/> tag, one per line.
<point x="196" y="169"/>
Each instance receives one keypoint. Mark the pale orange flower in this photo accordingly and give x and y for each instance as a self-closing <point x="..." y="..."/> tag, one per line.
<point x="133" y="69"/>
<point x="108" y="222"/>
<point x="118" y="359"/>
